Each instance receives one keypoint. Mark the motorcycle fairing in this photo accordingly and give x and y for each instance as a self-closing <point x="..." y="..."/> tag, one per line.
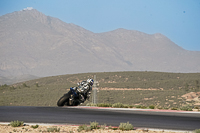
<point x="73" y="91"/>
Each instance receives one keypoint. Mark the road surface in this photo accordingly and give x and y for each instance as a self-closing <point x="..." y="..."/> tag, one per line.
<point x="76" y="116"/>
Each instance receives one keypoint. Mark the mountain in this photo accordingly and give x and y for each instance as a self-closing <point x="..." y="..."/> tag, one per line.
<point x="32" y="43"/>
<point x="11" y="79"/>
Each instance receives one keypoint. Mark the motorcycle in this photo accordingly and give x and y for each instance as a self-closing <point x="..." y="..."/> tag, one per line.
<point x="72" y="98"/>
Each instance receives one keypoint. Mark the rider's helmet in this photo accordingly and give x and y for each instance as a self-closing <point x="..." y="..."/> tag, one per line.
<point x="90" y="81"/>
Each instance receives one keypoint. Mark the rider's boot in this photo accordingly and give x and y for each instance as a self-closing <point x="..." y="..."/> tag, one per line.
<point x="81" y="98"/>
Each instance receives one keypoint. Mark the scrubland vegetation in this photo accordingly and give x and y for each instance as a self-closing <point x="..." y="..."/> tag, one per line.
<point x="131" y="89"/>
<point x="94" y="127"/>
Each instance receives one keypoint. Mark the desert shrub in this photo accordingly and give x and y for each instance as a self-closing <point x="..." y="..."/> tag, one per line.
<point x="190" y="109"/>
<point x="103" y="126"/>
<point x="197" y="131"/>
<point x="173" y="108"/>
<point x="126" y="106"/>
<point x="152" y="107"/>
<point x="125" y="126"/>
<point x="114" y="128"/>
<point x="118" y="105"/>
<point x="143" y="107"/>
<point x="110" y="127"/>
<point x="5" y="86"/>
<point x="37" y="85"/>
<point x="138" y="106"/>
<point x="16" y="123"/>
<point x="53" y="129"/>
<point x="104" y="105"/>
<point x="25" y="85"/>
<point x="94" y="125"/>
<point x="36" y="126"/>
<point x="81" y="128"/>
<point x="130" y="106"/>
<point x="87" y="129"/>
<point x="12" y="88"/>
<point x="186" y="108"/>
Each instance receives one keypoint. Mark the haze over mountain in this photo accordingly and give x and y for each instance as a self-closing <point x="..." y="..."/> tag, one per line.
<point x="32" y="43"/>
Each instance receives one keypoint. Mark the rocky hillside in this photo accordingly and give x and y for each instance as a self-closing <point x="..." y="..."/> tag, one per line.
<point x="32" y="43"/>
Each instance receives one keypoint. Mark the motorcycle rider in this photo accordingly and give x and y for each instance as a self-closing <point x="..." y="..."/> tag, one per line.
<point x="84" y="89"/>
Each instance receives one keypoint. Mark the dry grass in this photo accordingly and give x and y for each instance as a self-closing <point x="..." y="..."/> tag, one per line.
<point x="163" y="90"/>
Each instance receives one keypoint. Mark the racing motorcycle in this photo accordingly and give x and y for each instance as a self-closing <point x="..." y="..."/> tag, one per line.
<point x="72" y="98"/>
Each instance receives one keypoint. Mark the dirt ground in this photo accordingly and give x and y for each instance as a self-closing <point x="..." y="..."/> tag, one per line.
<point x="69" y="129"/>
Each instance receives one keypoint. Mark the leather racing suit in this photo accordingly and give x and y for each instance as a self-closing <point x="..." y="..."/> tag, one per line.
<point x="84" y="89"/>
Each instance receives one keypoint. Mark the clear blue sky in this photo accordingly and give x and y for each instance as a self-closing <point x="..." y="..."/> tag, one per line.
<point x="179" y="20"/>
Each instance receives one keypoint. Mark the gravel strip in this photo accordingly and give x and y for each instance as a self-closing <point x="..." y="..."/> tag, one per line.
<point x="73" y="129"/>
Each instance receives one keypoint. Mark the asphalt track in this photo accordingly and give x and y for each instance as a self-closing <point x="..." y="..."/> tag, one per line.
<point x="81" y="115"/>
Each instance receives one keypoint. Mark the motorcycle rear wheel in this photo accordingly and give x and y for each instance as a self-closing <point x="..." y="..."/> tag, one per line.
<point x="64" y="100"/>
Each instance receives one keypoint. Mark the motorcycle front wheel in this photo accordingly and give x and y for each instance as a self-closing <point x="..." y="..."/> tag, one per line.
<point x="63" y="100"/>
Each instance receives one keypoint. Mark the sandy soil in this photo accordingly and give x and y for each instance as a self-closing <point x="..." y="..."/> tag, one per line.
<point x="68" y="129"/>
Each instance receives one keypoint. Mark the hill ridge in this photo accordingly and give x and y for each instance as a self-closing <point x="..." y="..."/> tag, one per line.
<point x="35" y="44"/>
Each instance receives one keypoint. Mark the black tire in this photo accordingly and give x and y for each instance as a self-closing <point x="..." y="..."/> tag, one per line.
<point x="76" y="103"/>
<point x="64" y="100"/>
